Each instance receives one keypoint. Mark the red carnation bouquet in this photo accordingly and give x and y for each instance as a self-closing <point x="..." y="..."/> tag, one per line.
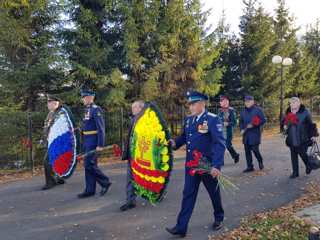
<point x="199" y="164"/>
<point x="291" y="119"/>
<point x="256" y="121"/>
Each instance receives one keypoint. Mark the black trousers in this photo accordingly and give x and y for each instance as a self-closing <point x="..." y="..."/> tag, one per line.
<point x="231" y="149"/>
<point x="248" y="150"/>
<point x="295" y="153"/>
<point x="48" y="173"/>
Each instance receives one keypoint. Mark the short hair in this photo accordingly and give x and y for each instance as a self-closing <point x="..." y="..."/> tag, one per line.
<point x="294" y="99"/>
<point x="139" y="102"/>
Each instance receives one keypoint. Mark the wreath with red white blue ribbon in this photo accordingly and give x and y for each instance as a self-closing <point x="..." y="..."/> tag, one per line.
<point x="62" y="144"/>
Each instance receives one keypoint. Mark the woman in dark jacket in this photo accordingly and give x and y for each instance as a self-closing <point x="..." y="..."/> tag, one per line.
<point x="297" y="125"/>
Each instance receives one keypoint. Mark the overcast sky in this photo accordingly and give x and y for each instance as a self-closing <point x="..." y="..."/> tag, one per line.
<point x="305" y="11"/>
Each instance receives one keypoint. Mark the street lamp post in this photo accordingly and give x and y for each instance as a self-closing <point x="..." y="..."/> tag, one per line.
<point x="283" y="62"/>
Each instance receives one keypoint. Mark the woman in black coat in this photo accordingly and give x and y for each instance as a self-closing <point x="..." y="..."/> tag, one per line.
<point x="300" y="131"/>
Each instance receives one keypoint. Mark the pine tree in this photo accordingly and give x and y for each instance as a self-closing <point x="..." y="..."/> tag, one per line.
<point x="257" y="41"/>
<point x="307" y="74"/>
<point x="29" y="52"/>
<point x="229" y="60"/>
<point x="312" y="39"/>
<point x="305" y="77"/>
<point x="286" y="46"/>
<point x="168" y="51"/>
<point x="95" y="49"/>
<point x="311" y="42"/>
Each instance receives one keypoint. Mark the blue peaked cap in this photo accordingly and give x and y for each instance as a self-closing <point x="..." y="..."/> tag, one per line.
<point x="87" y="92"/>
<point x="194" y="96"/>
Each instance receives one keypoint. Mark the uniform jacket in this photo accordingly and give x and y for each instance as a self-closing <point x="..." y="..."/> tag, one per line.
<point x="210" y="143"/>
<point x="93" y="121"/>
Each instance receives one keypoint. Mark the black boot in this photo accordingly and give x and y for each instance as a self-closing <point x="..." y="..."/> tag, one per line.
<point x="128" y="205"/>
<point x="247" y="170"/>
<point x="217" y="225"/>
<point x="294" y="175"/>
<point x="105" y="189"/>
<point x="261" y="166"/>
<point x="308" y="170"/>
<point x="60" y="181"/>
<point x="48" y="186"/>
<point x="236" y="158"/>
<point x="176" y="232"/>
<point x="85" y="195"/>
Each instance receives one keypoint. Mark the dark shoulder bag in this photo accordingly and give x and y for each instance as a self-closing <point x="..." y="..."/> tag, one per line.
<point x="314" y="156"/>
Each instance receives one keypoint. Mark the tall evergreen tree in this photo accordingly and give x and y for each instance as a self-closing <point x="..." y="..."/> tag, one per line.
<point x="312" y="45"/>
<point x="94" y="47"/>
<point x="29" y="53"/>
<point x="304" y="81"/>
<point x="229" y="60"/>
<point x="312" y="39"/>
<point x="257" y="41"/>
<point x="167" y="50"/>
<point x="286" y="46"/>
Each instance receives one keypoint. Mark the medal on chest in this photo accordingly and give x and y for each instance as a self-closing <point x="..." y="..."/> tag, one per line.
<point x="187" y="125"/>
<point x="203" y="128"/>
<point x="87" y="114"/>
<point x="226" y="116"/>
<point x="48" y="122"/>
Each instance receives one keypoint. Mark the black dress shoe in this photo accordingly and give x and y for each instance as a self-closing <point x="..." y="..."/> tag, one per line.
<point x="128" y="205"/>
<point x="176" y="232"/>
<point x="236" y="159"/>
<point x="217" y="225"/>
<point x="47" y="187"/>
<point x="247" y="170"/>
<point x="60" y="181"/>
<point x="105" y="189"/>
<point x="308" y="170"/>
<point x="294" y="175"/>
<point x="261" y="166"/>
<point x="85" y="195"/>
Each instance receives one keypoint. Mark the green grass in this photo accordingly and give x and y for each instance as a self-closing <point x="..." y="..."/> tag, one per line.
<point x="286" y="227"/>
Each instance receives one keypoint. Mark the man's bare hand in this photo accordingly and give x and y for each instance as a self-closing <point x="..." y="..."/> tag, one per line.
<point x="215" y="172"/>
<point x="99" y="149"/>
<point x="314" y="139"/>
<point x="226" y="124"/>
<point x="249" y="125"/>
<point x="172" y="143"/>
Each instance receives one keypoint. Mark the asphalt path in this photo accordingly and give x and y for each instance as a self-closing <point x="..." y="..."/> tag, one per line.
<point x="26" y="212"/>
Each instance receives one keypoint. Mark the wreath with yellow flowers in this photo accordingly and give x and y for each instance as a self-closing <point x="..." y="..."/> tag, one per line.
<point x="151" y="154"/>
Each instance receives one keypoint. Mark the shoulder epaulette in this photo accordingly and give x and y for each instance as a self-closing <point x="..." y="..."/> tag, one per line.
<point x="212" y="114"/>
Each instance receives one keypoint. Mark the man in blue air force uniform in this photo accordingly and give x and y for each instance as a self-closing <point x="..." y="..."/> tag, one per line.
<point x="93" y="132"/>
<point x="203" y="132"/>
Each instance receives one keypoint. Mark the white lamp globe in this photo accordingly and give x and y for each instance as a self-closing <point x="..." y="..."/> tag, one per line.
<point x="277" y="59"/>
<point x="287" y="62"/>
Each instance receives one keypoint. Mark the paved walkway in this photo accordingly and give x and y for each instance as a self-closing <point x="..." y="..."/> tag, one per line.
<point x="28" y="213"/>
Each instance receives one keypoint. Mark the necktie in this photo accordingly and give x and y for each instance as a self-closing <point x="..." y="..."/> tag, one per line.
<point x="194" y="119"/>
